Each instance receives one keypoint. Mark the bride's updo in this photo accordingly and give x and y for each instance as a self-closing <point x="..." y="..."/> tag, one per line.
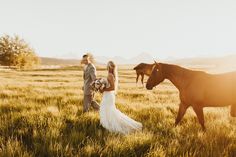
<point x="112" y="68"/>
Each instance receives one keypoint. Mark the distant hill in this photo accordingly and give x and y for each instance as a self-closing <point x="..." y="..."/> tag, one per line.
<point x="228" y="62"/>
<point x="56" y="61"/>
<point x="214" y="64"/>
<point x="100" y="60"/>
<point x="216" y="61"/>
<point x="143" y="57"/>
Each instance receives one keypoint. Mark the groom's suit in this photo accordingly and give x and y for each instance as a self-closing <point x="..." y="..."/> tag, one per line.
<point x="89" y="77"/>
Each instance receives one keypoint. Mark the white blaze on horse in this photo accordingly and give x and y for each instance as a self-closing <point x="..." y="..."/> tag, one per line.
<point x="197" y="88"/>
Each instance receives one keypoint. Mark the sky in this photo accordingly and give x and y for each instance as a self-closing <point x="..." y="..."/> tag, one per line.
<point x="126" y="28"/>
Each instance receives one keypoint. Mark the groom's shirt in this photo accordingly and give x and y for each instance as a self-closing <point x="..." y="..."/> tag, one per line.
<point x="89" y="77"/>
<point x="85" y="67"/>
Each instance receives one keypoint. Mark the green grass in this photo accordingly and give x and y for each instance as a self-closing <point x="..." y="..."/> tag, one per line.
<point x="41" y="115"/>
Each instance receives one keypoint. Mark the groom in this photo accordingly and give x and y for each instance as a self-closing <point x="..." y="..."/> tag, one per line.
<point x="89" y="76"/>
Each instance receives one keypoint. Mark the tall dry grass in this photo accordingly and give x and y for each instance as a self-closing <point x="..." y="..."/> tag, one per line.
<point x="41" y="115"/>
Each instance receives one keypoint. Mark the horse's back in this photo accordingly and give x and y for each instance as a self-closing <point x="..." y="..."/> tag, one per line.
<point x="144" y="68"/>
<point x="214" y="89"/>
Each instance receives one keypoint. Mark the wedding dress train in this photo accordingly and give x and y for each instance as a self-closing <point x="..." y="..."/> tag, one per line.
<point x="113" y="119"/>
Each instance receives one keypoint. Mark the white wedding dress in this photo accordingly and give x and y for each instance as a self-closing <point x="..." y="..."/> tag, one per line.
<point x="114" y="120"/>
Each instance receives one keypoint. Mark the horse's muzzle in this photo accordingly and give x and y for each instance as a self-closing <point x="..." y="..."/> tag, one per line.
<point x="149" y="88"/>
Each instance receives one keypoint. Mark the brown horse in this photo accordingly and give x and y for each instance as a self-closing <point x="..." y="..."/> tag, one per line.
<point x="197" y="89"/>
<point x="143" y="69"/>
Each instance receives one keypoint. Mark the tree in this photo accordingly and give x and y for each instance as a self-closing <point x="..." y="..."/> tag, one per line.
<point x="14" y="51"/>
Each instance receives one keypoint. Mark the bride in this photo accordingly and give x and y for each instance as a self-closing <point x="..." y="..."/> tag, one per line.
<point x="110" y="117"/>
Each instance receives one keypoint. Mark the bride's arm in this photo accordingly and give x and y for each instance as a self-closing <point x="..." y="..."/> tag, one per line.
<point x="111" y="81"/>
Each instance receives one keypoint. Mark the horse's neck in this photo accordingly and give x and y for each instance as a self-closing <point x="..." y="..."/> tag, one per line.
<point x="175" y="74"/>
<point x="151" y="65"/>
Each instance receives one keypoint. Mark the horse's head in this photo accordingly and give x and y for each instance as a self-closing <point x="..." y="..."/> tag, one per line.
<point x="156" y="76"/>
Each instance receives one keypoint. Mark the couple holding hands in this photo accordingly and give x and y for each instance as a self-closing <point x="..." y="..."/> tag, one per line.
<point x="110" y="117"/>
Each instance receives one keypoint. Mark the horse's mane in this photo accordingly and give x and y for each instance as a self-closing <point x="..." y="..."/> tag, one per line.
<point x="179" y="68"/>
<point x="172" y="70"/>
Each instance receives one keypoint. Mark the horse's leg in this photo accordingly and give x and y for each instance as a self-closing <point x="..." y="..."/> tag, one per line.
<point x="182" y="110"/>
<point x="142" y="78"/>
<point x="137" y="78"/>
<point x="199" y="112"/>
<point x="233" y="111"/>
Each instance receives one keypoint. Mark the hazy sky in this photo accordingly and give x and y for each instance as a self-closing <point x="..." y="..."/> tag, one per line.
<point x="163" y="28"/>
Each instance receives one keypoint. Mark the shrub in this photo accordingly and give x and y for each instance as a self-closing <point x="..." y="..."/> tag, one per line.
<point x="14" y="51"/>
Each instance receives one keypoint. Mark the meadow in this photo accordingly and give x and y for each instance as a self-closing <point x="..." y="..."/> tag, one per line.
<point x="41" y="115"/>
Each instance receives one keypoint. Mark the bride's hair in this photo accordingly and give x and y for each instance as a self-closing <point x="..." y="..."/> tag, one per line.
<point x="111" y="66"/>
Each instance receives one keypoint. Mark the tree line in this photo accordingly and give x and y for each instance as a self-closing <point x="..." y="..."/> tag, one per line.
<point x="16" y="52"/>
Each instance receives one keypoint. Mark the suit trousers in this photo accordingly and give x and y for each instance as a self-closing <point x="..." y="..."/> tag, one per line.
<point x="89" y="101"/>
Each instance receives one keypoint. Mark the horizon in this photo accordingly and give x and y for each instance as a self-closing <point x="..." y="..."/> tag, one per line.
<point x="163" y="29"/>
<point x="163" y="59"/>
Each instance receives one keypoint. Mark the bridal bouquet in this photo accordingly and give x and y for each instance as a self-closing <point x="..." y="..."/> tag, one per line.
<point x="99" y="84"/>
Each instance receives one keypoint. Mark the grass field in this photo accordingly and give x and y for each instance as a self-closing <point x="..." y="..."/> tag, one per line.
<point x="41" y="115"/>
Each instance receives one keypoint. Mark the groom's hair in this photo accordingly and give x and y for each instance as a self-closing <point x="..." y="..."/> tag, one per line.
<point x="90" y="56"/>
<point x="85" y="55"/>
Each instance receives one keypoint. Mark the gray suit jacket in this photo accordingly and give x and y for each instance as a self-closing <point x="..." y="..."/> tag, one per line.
<point x="89" y="77"/>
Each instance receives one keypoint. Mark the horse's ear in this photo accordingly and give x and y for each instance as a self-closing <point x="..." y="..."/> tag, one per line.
<point x="157" y="65"/>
